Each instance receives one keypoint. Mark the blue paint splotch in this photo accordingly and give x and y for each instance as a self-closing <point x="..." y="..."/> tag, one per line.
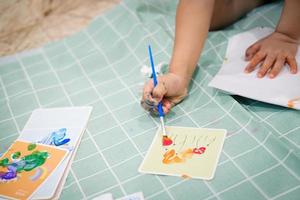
<point x="56" y="138"/>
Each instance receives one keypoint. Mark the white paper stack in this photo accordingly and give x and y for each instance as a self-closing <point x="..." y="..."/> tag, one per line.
<point x="39" y="128"/>
<point x="283" y="90"/>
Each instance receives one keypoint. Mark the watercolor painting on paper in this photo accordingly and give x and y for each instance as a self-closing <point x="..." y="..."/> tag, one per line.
<point x="25" y="166"/>
<point x="189" y="153"/>
<point x="65" y="138"/>
<point x="58" y="138"/>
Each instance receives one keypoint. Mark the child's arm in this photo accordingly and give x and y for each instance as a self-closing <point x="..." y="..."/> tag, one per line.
<point x="192" y="24"/>
<point x="289" y="22"/>
<point x="280" y="47"/>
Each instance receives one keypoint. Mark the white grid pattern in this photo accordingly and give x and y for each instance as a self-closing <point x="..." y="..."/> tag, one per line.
<point x="126" y="87"/>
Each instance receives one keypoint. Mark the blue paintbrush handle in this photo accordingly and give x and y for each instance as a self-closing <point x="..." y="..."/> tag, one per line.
<point x="159" y="107"/>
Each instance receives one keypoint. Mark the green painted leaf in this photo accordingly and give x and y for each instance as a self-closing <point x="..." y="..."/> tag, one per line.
<point x="31" y="147"/>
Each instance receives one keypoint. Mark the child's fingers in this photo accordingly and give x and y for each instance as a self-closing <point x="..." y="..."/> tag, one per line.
<point x="154" y="110"/>
<point x="147" y="93"/>
<point x="293" y="64"/>
<point x="277" y="67"/>
<point x="259" y="56"/>
<point x="147" y="102"/>
<point x="159" y="91"/>
<point x="166" y="110"/>
<point x="152" y="96"/>
<point x="251" y="51"/>
<point x="167" y="105"/>
<point x="267" y="64"/>
<point x="147" y="106"/>
<point x="148" y="88"/>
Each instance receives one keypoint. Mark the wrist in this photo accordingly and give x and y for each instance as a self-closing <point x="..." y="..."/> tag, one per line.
<point x="182" y="73"/>
<point x="179" y="82"/>
<point x="283" y="35"/>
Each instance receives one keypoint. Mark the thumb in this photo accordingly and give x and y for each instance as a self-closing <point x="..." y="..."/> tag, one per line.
<point x="159" y="91"/>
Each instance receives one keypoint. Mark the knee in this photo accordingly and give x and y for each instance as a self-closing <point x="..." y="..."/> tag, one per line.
<point x="223" y="10"/>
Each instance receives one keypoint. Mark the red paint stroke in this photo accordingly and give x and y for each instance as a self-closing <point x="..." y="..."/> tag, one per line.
<point x="200" y="150"/>
<point x="166" y="141"/>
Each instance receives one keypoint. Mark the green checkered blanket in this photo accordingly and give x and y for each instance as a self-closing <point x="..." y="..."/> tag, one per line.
<point x="100" y="66"/>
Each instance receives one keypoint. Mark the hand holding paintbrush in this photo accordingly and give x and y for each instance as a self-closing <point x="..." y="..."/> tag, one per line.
<point x="166" y="140"/>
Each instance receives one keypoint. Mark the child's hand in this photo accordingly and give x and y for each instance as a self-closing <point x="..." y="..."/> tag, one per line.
<point x="273" y="52"/>
<point x="171" y="89"/>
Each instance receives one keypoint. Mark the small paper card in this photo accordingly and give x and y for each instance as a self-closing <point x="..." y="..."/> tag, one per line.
<point x="187" y="152"/>
<point x="62" y="128"/>
<point x="25" y="166"/>
<point x="107" y="196"/>
<point x="135" y="196"/>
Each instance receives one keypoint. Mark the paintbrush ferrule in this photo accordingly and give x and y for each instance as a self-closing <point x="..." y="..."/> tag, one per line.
<point x="163" y="126"/>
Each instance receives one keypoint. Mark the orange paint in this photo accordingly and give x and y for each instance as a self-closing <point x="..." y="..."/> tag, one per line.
<point x="187" y="153"/>
<point x="166" y="141"/>
<point x="184" y="176"/>
<point x="170" y="157"/>
<point x="291" y="103"/>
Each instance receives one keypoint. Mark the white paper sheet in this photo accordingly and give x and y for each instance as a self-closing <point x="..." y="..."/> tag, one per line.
<point x="41" y="124"/>
<point x="135" y="196"/>
<point x="283" y="90"/>
<point x="107" y="196"/>
<point x="188" y="153"/>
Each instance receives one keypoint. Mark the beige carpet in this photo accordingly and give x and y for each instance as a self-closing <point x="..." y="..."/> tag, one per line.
<point x="29" y="24"/>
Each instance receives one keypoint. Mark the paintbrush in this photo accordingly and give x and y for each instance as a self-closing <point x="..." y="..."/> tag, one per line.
<point x="159" y="106"/>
